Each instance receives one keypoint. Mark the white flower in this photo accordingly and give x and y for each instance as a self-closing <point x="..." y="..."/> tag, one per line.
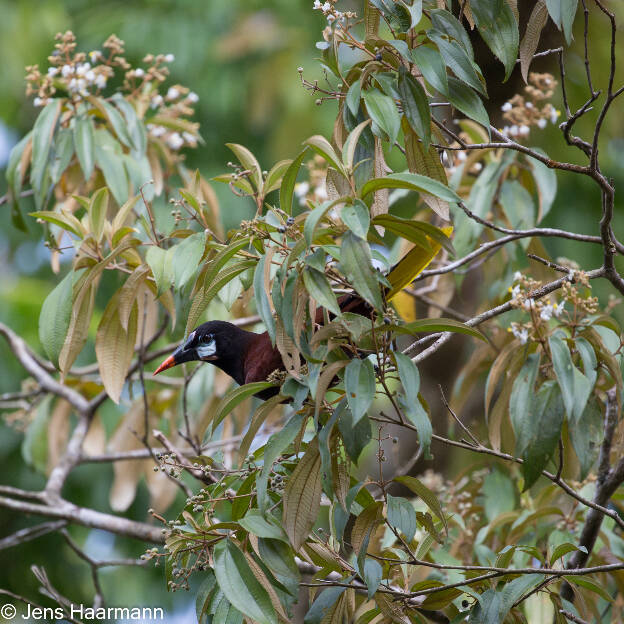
<point x="547" y="312"/>
<point x="330" y="18"/>
<point x="317" y="5"/>
<point x="157" y="100"/>
<point x="192" y="97"/>
<point x="156" y="131"/>
<point x="175" y="141"/>
<point x="52" y="71"/>
<point x="461" y="156"/>
<point x="517" y="276"/>
<point x="95" y="55"/>
<point x="301" y="190"/>
<point x="100" y="81"/>
<point x="558" y="308"/>
<point x="528" y="304"/>
<point x="521" y="334"/>
<point x="320" y="192"/>
<point x="169" y="58"/>
<point x="513" y="130"/>
<point x="38" y="101"/>
<point x="541" y="123"/>
<point x="523" y="130"/>
<point x="190" y="138"/>
<point x="477" y="166"/>
<point x="172" y="94"/>
<point x="506" y="107"/>
<point x="82" y="69"/>
<point x="67" y="70"/>
<point x="515" y="291"/>
<point x="90" y="76"/>
<point x="326" y="7"/>
<point x="554" y="115"/>
<point x="505" y="131"/>
<point x="139" y="73"/>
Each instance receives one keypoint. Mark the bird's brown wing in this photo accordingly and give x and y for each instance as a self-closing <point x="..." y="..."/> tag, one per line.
<point x="260" y="360"/>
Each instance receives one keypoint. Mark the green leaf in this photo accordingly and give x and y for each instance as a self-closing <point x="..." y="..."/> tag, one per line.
<point x="84" y="142"/>
<point x="262" y="299"/>
<point x="350" y="144"/>
<point x="564" y="549"/>
<point x="409" y="376"/>
<point x="323" y="147"/>
<point x="587" y="435"/>
<point x="447" y="23"/>
<point x="55" y="317"/>
<point x="287" y="188"/>
<point x="383" y="111"/>
<point x="521" y="399"/>
<point x="275" y="175"/>
<point x="431" y="65"/>
<point x="498" y="28"/>
<point x="356" y="264"/>
<point x="457" y="60"/>
<point x="322" y="606"/>
<point x="562" y="12"/>
<point x="415" y="105"/>
<point x="355" y="436"/>
<point x="587" y="584"/>
<point x="425" y="494"/>
<point x="236" y="396"/>
<point x="108" y="157"/>
<point x="412" y="182"/>
<point x="116" y="120"/>
<point x="372" y="575"/>
<point x="404" y="228"/>
<point x="575" y="387"/>
<point x="240" y="586"/>
<point x="160" y="261"/>
<point x="463" y="98"/>
<point x="437" y="325"/>
<point x="353" y="96"/>
<point x="317" y="285"/>
<point x="302" y="496"/>
<point x="401" y="516"/>
<point x="186" y="258"/>
<point x="313" y="219"/>
<point x="360" y="386"/>
<point x="63" y="151"/>
<point x="43" y="133"/>
<point x="66" y="221"/>
<point x="356" y="217"/>
<point x="258" y="525"/>
<point x="97" y="212"/>
<point x="543" y="423"/>
<point x="249" y="162"/>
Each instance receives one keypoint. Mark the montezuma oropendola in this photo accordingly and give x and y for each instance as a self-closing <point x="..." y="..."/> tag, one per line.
<point x="245" y="356"/>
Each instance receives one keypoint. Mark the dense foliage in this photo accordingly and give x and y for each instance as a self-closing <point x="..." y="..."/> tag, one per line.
<point x="413" y="192"/>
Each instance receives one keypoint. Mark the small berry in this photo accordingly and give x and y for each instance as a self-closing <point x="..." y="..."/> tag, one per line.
<point x="290" y="221"/>
<point x="378" y="56"/>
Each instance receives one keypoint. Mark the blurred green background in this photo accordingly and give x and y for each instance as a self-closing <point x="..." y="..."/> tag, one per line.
<point x="241" y="58"/>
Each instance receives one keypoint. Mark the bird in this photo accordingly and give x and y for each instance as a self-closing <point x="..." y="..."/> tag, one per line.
<point x="249" y="357"/>
<point x="245" y="356"/>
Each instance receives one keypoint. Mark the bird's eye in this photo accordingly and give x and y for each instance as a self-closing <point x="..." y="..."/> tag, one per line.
<point x="208" y="338"/>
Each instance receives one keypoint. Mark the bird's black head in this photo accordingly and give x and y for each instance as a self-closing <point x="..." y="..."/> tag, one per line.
<point x="219" y="342"/>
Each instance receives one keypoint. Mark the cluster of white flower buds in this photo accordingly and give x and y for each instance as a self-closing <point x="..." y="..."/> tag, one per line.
<point x="330" y="12"/>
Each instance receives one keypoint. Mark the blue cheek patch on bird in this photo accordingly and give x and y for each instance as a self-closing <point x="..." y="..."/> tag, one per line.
<point x="206" y="350"/>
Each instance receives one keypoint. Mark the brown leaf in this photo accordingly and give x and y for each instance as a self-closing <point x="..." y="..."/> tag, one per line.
<point x="114" y="347"/>
<point x="531" y="38"/>
<point x="366" y="524"/>
<point x="302" y="496"/>
<point x="78" y="330"/>
<point x="425" y="163"/>
<point x="58" y="432"/>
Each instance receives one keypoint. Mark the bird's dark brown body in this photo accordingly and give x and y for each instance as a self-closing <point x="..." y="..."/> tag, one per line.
<point x="245" y="356"/>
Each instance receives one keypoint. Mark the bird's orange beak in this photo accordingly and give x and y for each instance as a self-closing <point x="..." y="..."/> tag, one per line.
<point x="168" y="363"/>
